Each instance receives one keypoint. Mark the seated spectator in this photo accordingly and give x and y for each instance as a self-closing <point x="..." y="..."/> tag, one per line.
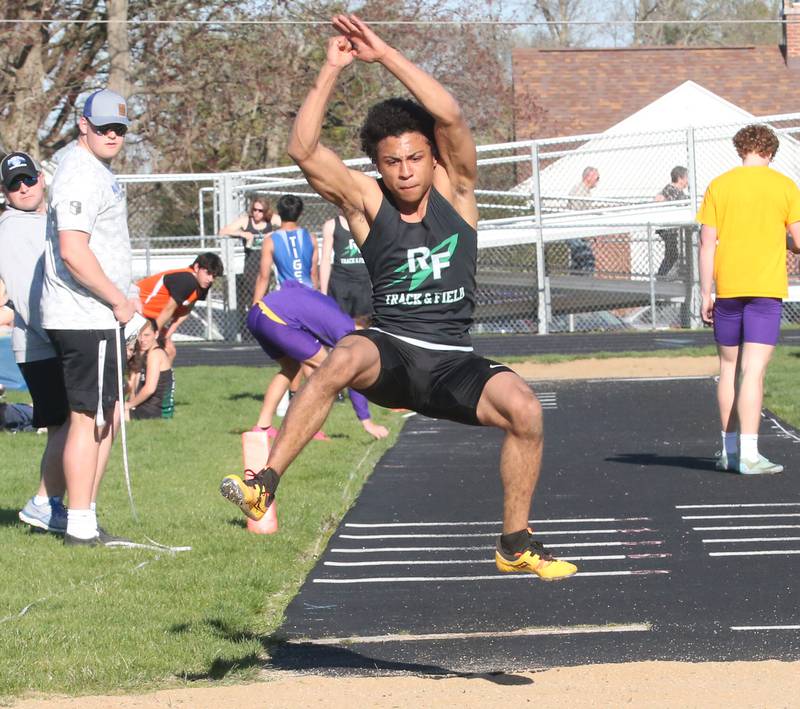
<point x="151" y="382"/>
<point x="169" y="296"/>
<point x="581" y="254"/>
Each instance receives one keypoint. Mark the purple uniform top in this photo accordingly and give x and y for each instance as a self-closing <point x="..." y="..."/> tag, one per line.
<point x="295" y="322"/>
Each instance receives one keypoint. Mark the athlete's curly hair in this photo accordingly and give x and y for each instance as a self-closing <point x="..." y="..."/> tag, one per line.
<point x="394" y="117"/>
<point x="756" y="138"/>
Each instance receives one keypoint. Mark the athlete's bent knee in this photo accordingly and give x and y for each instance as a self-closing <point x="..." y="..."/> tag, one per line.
<point x="525" y="415"/>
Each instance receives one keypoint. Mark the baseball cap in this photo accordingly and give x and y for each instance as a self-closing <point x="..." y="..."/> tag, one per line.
<point x="104" y="107"/>
<point x="15" y="164"/>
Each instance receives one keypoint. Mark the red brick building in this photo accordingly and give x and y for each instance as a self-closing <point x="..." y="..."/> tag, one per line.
<point x="574" y="91"/>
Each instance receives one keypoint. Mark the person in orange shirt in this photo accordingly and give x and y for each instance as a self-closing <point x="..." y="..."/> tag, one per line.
<point x="745" y="215"/>
<point x="169" y="296"/>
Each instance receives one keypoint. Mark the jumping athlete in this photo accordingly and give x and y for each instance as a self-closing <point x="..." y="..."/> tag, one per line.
<point x="416" y="228"/>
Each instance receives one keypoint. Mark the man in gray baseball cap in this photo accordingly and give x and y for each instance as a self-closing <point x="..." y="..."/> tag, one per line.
<point x="105" y="107"/>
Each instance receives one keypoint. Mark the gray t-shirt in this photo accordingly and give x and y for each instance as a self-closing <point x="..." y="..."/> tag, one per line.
<point x="22" y="241"/>
<point x="85" y="196"/>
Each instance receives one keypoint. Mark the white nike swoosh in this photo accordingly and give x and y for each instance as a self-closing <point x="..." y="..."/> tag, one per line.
<point x="494" y="366"/>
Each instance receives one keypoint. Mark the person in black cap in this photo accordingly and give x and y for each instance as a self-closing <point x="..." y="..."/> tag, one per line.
<point x="22" y="243"/>
<point x="88" y="293"/>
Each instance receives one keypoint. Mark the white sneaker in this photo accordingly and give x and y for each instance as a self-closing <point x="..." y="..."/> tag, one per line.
<point x="760" y="466"/>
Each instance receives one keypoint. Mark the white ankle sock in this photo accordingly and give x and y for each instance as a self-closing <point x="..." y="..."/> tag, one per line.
<point x="748" y="443"/>
<point x="81" y="524"/>
<point x="730" y="443"/>
<point x="40" y="499"/>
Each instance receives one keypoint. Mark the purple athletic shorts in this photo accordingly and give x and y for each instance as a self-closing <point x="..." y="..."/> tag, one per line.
<point x="738" y="320"/>
<point x="296" y="321"/>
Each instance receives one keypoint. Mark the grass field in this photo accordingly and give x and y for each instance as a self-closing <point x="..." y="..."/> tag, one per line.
<point x="118" y="620"/>
<point x="106" y="620"/>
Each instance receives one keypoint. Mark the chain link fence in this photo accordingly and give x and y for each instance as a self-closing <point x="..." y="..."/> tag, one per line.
<point x="577" y="233"/>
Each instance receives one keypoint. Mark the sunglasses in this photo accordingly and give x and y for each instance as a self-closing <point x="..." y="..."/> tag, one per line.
<point x="16" y="183"/>
<point x="118" y="128"/>
<point x="256" y="209"/>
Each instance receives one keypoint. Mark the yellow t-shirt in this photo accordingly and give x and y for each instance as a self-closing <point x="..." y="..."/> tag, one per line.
<point x="750" y="207"/>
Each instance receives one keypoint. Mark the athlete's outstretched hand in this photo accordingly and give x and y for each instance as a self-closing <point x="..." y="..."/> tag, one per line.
<point x="366" y="45"/>
<point x="374" y="429"/>
<point x="340" y="51"/>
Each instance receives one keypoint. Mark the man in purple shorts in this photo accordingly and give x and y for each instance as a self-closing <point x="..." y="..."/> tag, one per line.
<point x="293" y="325"/>
<point x="745" y="215"/>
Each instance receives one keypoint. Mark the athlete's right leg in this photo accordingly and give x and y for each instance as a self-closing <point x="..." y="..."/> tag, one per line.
<point x="353" y="362"/>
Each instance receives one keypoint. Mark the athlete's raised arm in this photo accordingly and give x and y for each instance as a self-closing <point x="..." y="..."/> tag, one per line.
<point x="454" y="140"/>
<point x="323" y="168"/>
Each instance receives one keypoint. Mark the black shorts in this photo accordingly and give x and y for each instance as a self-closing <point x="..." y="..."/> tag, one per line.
<point x="45" y="380"/>
<point x="87" y="380"/>
<point x="353" y="297"/>
<point x="441" y="384"/>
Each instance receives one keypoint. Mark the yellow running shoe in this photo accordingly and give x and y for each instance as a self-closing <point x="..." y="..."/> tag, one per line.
<point x="536" y="560"/>
<point x="251" y="496"/>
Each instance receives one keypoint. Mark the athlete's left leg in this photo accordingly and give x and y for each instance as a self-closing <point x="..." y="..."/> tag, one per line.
<point x="508" y="403"/>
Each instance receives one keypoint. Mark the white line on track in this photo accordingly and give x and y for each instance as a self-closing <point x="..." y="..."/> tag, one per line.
<point x="736" y="505"/>
<point x="488" y="534"/>
<point x="493" y="577"/>
<point x="765" y="627"/>
<point x="522" y="632"/>
<point x="751" y="526"/>
<point x="763" y="514"/>
<point x="734" y="540"/>
<point x="788" y="434"/>
<point x="407" y="562"/>
<point x="765" y="552"/>
<point x="494" y="523"/>
<point x="378" y="550"/>
<point x="650" y="379"/>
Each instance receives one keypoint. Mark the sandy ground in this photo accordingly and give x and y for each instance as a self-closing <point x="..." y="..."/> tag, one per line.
<point x="644" y="684"/>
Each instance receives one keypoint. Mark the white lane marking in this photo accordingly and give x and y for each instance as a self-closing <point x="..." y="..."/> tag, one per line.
<point x="785" y="432"/>
<point x="487" y="534"/>
<point x="765" y="627"/>
<point x="495" y="523"/>
<point x="751" y="539"/>
<point x="735" y="505"/>
<point x="377" y="550"/>
<point x="763" y="514"/>
<point x="493" y="577"/>
<point x="751" y="526"/>
<point x="407" y="562"/>
<point x="522" y="632"/>
<point x="765" y="552"/>
<point x="651" y="379"/>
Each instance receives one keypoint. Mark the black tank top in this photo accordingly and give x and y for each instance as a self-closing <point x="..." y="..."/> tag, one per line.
<point x="423" y="273"/>
<point x="161" y="403"/>
<point x="348" y="263"/>
<point x="258" y="234"/>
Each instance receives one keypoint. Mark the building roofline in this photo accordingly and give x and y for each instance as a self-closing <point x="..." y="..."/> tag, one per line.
<point x="573" y="50"/>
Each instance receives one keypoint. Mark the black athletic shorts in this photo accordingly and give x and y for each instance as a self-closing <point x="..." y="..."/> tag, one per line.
<point x="442" y="384"/>
<point x="45" y="380"/>
<point x="89" y="361"/>
<point x="353" y="297"/>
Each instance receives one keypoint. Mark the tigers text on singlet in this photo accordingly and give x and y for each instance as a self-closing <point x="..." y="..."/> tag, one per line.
<point x="423" y="273"/>
<point x="348" y="263"/>
<point x="293" y="252"/>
